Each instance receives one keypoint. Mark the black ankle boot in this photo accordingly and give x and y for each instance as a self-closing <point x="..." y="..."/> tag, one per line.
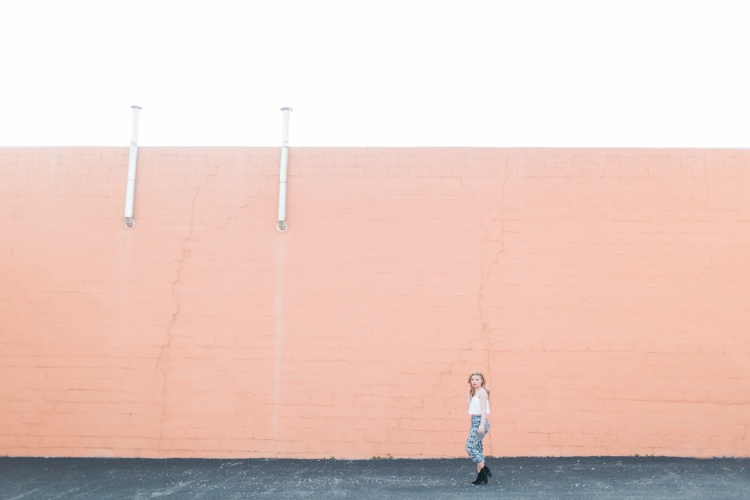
<point x="481" y="477"/>
<point x="488" y="471"/>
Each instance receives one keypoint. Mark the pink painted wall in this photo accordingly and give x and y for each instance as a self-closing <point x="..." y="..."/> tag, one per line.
<point x="605" y="293"/>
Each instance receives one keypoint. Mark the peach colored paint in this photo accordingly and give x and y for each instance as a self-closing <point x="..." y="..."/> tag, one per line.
<point x="605" y="293"/>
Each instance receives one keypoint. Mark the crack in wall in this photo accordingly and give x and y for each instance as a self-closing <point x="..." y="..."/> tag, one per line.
<point x="238" y="211"/>
<point x="184" y="254"/>
<point x="487" y="271"/>
<point x="486" y="275"/>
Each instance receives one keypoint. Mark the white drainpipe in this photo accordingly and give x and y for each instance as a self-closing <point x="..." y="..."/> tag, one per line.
<point x="281" y="224"/>
<point x="130" y="190"/>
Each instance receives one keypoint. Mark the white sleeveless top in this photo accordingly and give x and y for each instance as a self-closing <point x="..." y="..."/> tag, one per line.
<point x="475" y="406"/>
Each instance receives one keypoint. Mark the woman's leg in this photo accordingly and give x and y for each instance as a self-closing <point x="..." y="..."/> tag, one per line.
<point x="480" y="444"/>
<point x="474" y="445"/>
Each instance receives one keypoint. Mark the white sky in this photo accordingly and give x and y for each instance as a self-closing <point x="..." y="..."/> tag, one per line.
<point x="630" y="73"/>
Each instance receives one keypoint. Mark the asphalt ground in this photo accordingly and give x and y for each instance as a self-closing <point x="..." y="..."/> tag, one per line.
<point x="515" y="478"/>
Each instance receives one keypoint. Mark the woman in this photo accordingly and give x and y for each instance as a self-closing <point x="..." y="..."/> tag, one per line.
<point x="479" y="408"/>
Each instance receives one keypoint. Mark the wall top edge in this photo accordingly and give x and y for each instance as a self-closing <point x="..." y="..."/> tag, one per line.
<point x="209" y="149"/>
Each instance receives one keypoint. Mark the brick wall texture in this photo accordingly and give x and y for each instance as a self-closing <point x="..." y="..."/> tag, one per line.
<point x="605" y="294"/>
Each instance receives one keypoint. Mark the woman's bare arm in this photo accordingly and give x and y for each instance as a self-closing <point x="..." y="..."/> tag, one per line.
<point x="482" y="393"/>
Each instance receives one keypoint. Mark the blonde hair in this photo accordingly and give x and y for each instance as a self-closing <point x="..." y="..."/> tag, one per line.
<point x="483" y="382"/>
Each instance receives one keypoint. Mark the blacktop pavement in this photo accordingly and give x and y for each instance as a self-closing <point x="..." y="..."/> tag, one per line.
<point x="515" y="478"/>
